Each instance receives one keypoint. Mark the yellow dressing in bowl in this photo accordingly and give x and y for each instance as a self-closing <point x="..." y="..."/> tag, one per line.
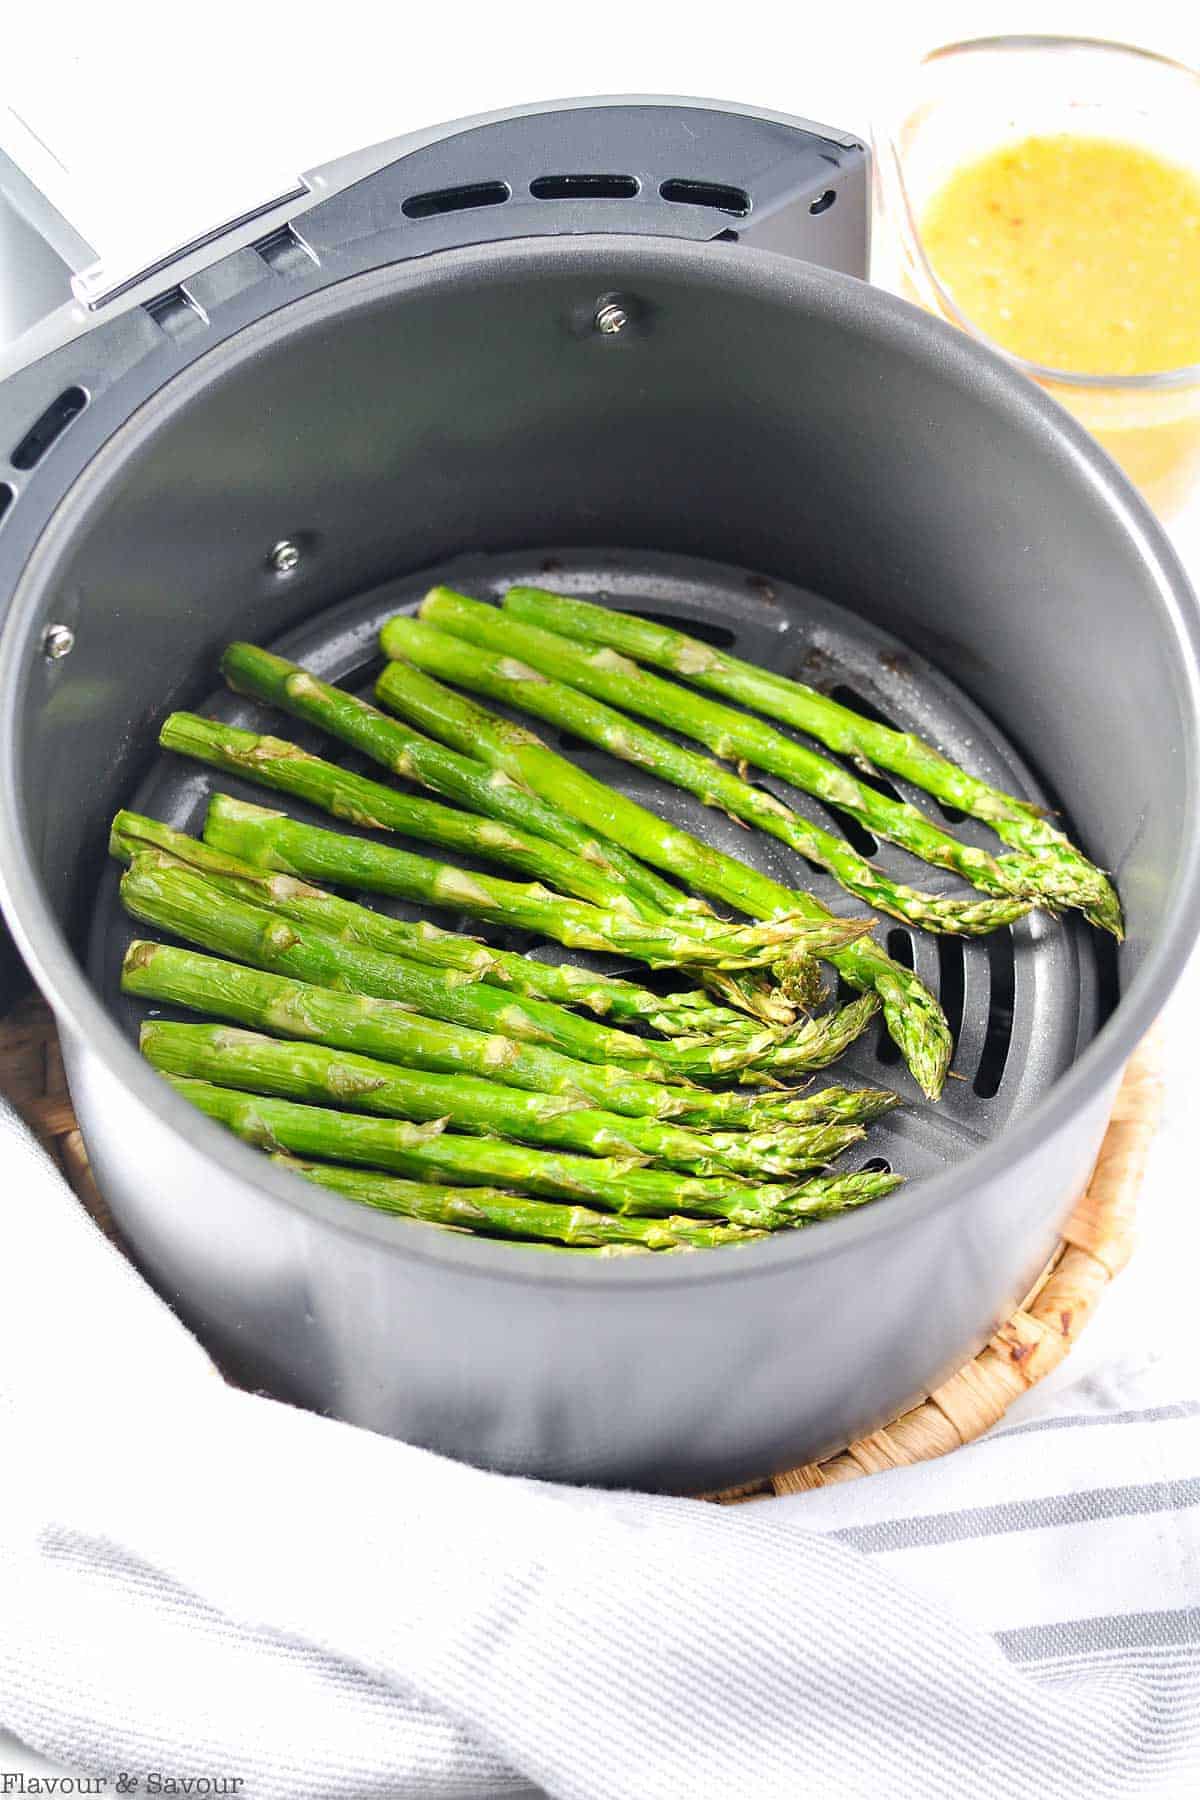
<point x="1076" y="253"/>
<point x="1081" y="256"/>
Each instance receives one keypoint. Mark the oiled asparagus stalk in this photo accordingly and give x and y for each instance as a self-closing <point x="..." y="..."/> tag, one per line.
<point x="230" y="1057"/>
<point x="490" y="1212"/>
<point x="1064" y="874"/>
<point x="914" y="1018"/>
<point x="614" y="681"/>
<point x="272" y="840"/>
<point x="614" y="1184"/>
<point x="381" y="1028"/>
<point x="685" y="1014"/>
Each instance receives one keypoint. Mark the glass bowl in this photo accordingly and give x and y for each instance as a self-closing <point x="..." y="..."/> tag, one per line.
<point x="966" y="100"/>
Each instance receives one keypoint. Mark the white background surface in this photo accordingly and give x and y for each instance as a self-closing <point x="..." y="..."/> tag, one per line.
<point x="144" y="123"/>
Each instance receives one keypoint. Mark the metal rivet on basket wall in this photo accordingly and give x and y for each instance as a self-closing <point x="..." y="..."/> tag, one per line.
<point x="610" y="317"/>
<point x="58" y="641"/>
<point x="284" y="557"/>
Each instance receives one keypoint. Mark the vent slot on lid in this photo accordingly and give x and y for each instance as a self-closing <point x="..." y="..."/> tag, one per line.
<point x="456" y="199"/>
<point x="720" y="198"/>
<point x="48" y="429"/>
<point x="585" y="187"/>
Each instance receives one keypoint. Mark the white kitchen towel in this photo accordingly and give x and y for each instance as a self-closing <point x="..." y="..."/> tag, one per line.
<point x="204" y="1586"/>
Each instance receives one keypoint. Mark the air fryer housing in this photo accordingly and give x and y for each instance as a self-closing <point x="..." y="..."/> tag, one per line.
<point x="414" y="371"/>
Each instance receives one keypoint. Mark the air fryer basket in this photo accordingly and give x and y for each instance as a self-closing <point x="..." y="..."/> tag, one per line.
<point x="770" y="451"/>
<point x="1021" y="1002"/>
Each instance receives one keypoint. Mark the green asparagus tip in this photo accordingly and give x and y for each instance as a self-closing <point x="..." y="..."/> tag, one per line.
<point x="800" y="981"/>
<point x="1103" y="909"/>
<point x="839" y="1193"/>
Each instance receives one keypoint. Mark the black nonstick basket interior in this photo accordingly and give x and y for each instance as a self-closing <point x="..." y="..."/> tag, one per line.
<point x="1022" y="1002"/>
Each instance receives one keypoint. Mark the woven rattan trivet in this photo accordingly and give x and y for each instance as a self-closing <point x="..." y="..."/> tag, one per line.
<point x="1096" y="1244"/>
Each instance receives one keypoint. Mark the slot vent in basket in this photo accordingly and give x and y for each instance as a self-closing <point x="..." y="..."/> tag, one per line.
<point x="856" y="835"/>
<point x="1002" y="974"/>
<point x="952" y="981"/>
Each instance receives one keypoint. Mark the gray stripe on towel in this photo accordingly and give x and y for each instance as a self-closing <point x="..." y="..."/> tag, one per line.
<point x="1022" y="1515"/>
<point x="1110" y="1631"/>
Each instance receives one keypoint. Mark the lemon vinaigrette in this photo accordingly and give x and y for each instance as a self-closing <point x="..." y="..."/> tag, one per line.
<point x="1081" y="256"/>
<point x="1076" y="253"/>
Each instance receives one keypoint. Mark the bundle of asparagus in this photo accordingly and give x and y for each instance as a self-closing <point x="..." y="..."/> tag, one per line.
<point x="730" y="735"/>
<point x="1060" y="874"/>
<point x="616" y="1184"/>
<point x="681" y="1014"/>
<point x="431" y="1036"/>
<point x="162" y="892"/>
<point x="486" y="790"/>
<point x="229" y="1057"/>
<point x="913" y="1016"/>
<point x="701" y="1188"/>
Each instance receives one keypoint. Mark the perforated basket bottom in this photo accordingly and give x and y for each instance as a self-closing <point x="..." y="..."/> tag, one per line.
<point x="1022" y="1003"/>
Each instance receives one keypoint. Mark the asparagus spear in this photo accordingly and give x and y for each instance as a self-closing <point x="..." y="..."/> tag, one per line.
<point x="686" y="1014"/>
<point x="272" y="840"/>
<point x="405" y="752"/>
<point x="1064" y="874"/>
<point x="262" y="1065"/>
<point x="605" y="676"/>
<point x="616" y="1184"/>
<point x="914" y="1018"/>
<point x="163" y="892"/>
<point x="275" y="763"/>
<point x="380" y="1028"/>
<point x="490" y="1212"/>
